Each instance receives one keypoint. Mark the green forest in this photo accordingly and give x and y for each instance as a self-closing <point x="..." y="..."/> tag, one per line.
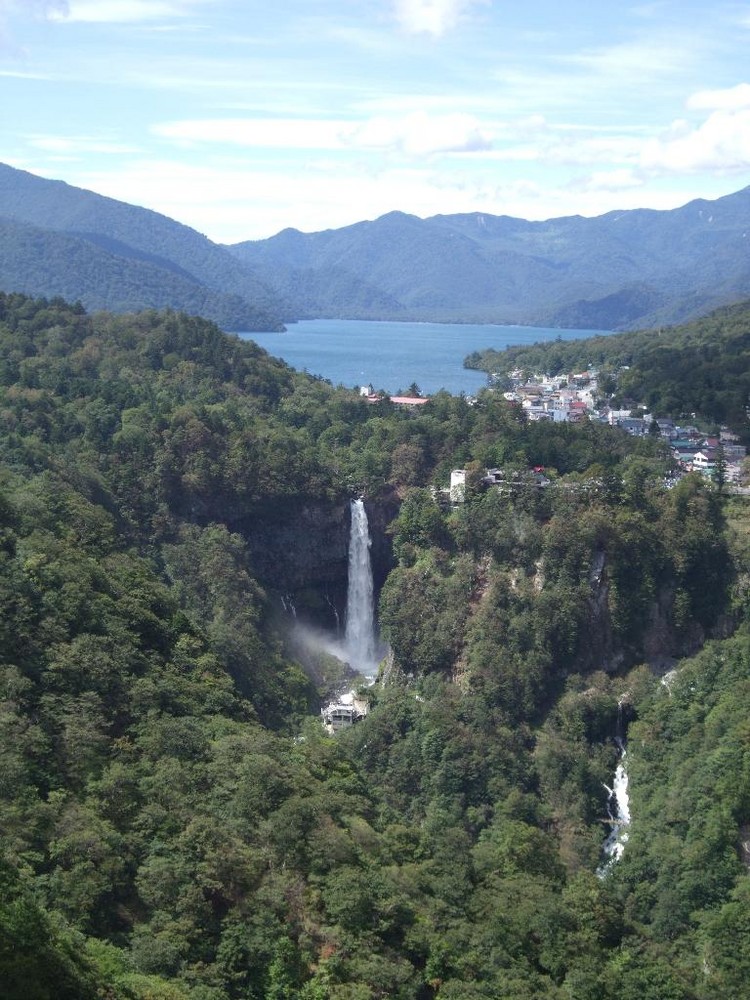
<point x="175" y="823"/>
<point x="105" y="274"/>
<point x="698" y="368"/>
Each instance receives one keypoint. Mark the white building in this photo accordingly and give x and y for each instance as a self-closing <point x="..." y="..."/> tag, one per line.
<point x="343" y="713"/>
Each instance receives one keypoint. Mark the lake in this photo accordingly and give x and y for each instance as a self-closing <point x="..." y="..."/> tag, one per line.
<point x="392" y="355"/>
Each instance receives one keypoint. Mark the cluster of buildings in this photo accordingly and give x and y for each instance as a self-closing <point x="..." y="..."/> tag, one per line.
<point x="576" y="397"/>
<point x="410" y="402"/>
<point x="569" y="398"/>
<point x="694" y="452"/>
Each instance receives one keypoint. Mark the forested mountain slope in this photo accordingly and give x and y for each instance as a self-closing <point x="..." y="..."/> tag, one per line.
<point x="61" y="239"/>
<point x="41" y="261"/>
<point x="620" y="270"/>
<point x="173" y="823"/>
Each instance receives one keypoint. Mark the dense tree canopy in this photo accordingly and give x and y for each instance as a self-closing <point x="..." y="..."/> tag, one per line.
<point x="175" y="823"/>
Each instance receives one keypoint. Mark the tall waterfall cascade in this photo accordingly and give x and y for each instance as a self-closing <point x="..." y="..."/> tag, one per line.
<point x="360" y="640"/>
<point x="361" y="648"/>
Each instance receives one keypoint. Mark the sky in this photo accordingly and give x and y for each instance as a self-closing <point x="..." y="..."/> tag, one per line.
<point x="241" y="118"/>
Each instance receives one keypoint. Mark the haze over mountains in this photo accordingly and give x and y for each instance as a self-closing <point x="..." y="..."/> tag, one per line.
<point x="621" y="270"/>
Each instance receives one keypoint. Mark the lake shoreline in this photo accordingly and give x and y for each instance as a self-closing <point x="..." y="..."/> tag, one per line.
<point x="391" y="355"/>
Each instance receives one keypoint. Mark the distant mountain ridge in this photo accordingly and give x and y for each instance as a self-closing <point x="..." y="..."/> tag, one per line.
<point x="62" y="240"/>
<point x="620" y="270"/>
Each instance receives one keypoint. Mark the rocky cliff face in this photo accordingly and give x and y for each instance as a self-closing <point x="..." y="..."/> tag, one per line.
<point x="660" y="643"/>
<point x="301" y="555"/>
<point x="381" y="511"/>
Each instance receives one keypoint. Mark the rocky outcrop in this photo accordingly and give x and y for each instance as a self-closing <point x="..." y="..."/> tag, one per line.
<point x="660" y="644"/>
<point x="600" y="652"/>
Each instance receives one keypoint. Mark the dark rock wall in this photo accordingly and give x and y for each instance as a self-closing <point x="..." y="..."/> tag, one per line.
<point x="301" y="554"/>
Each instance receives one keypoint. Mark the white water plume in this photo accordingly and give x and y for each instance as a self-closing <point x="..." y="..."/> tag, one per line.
<point x="360" y="642"/>
<point x="358" y="650"/>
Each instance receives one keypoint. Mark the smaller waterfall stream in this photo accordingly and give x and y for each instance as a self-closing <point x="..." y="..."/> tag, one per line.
<point x="618" y="805"/>
<point x="360" y="641"/>
<point x="618" y="808"/>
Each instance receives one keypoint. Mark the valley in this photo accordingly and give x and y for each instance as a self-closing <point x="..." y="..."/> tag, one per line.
<point x="176" y="561"/>
<point x="374" y="500"/>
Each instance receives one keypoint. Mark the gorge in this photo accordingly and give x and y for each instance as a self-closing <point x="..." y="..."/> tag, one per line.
<point x="177" y="825"/>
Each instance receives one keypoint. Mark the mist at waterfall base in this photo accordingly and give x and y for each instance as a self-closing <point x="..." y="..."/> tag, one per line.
<point x="358" y="648"/>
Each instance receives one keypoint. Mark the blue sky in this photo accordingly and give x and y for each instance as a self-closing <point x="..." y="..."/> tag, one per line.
<point x="240" y="118"/>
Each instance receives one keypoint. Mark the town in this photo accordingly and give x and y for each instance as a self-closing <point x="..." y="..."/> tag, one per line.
<point x="574" y="398"/>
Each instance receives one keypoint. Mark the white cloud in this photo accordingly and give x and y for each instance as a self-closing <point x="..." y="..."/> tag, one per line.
<point x="535" y="141"/>
<point x="721" y="143"/>
<point x="639" y="61"/>
<point x="12" y="10"/>
<point x="121" y="11"/>
<point x="420" y="134"/>
<point x="609" y="181"/>
<point x="730" y="99"/>
<point x="571" y="148"/>
<point x="403" y="102"/>
<point x="80" y="144"/>
<point x="261" y="133"/>
<point x="24" y="75"/>
<point x="413" y="135"/>
<point x="432" y="17"/>
<point x="36" y="8"/>
<point x="371" y="43"/>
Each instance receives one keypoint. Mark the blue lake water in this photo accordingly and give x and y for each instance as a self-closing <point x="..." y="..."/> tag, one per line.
<point x="391" y="355"/>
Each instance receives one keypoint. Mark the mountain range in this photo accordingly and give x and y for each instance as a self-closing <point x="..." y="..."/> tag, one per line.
<point x="622" y="270"/>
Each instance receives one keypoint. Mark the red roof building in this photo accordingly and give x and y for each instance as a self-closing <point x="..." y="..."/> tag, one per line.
<point x="409" y="400"/>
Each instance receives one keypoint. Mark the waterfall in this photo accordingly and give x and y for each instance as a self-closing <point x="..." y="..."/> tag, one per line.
<point x="288" y="605"/>
<point x="618" y="808"/>
<point x="361" y="645"/>
<point x="618" y="805"/>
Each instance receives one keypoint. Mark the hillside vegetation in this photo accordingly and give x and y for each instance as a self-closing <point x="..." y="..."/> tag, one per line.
<point x="62" y="240"/>
<point x="175" y="823"/>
